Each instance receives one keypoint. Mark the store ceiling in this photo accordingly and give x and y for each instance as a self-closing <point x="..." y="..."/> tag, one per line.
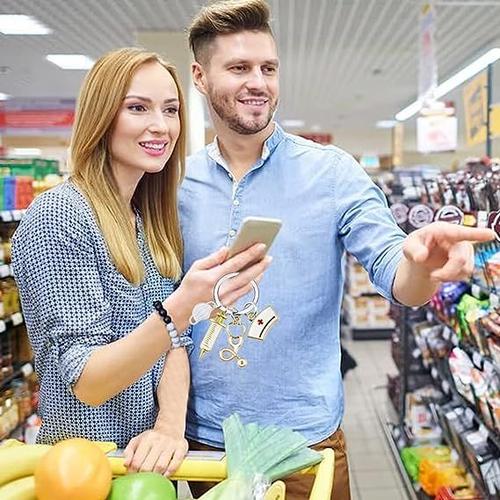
<point x="345" y="63"/>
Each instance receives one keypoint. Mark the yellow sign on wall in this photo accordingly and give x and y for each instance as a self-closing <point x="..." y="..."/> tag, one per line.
<point x="495" y="120"/>
<point x="475" y="109"/>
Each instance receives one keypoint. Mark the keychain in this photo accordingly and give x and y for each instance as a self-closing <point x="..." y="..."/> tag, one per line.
<point x="230" y="320"/>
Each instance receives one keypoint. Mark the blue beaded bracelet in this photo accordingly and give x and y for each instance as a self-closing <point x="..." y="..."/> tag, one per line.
<point x="172" y="332"/>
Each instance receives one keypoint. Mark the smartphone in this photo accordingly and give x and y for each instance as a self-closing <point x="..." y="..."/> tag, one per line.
<point x="255" y="230"/>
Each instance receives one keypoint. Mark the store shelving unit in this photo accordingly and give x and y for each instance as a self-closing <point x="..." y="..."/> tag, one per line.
<point x="21" y="370"/>
<point x="11" y="215"/>
<point x="424" y="340"/>
<point x="365" y="311"/>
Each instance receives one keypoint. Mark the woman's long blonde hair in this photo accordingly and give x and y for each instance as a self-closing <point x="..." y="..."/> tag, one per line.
<point x="101" y="97"/>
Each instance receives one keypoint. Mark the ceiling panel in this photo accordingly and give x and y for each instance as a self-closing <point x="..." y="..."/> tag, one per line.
<point x="345" y="63"/>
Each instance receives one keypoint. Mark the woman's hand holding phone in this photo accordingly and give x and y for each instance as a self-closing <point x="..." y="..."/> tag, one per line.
<point x="199" y="282"/>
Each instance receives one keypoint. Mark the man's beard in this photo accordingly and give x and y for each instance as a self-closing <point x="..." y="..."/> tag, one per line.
<point x="244" y="126"/>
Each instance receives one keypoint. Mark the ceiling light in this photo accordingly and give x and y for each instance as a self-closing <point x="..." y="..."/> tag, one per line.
<point x="71" y="61"/>
<point x="16" y="24"/>
<point x="386" y="124"/>
<point x="25" y="151"/>
<point x="457" y="79"/>
<point x="292" y="123"/>
<point x="4" y="97"/>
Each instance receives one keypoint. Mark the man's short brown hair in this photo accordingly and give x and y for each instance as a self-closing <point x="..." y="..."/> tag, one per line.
<point x="225" y="17"/>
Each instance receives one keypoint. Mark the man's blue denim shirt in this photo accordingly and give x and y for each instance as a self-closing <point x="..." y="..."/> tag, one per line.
<point x="328" y="206"/>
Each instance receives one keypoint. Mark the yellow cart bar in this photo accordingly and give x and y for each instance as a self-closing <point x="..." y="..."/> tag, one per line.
<point x="216" y="470"/>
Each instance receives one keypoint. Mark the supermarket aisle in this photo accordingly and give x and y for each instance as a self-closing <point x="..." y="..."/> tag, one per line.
<point x="373" y="474"/>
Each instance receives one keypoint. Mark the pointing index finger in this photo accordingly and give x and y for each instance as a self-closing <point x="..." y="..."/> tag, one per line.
<point x="457" y="233"/>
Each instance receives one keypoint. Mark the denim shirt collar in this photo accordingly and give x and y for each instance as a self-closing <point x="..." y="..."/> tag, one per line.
<point x="269" y="146"/>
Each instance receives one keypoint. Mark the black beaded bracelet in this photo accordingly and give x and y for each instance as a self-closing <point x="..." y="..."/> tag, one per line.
<point x="174" y="336"/>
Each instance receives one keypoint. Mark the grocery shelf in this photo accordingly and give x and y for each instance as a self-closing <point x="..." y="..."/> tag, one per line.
<point x="385" y="422"/>
<point x="6" y="271"/>
<point x="6" y="381"/>
<point x="17" y="433"/>
<point x="22" y="370"/>
<point x="15" y="319"/>
<point x="375" y="333"/>
<point x="445" y="382"/>
<point x="11" y="215"/>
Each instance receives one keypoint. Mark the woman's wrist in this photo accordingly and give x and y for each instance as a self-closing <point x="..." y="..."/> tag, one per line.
<point x="178" y="310"/>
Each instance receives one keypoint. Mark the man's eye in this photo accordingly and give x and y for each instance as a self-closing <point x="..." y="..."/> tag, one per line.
<point x="270" y="70"/>
<point x="238" y="68"/>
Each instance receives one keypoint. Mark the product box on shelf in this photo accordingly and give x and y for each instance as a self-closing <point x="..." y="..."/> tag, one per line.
<point x="368" y="312"/>
<point x="357" y="280"/>
<point x="9" y="193"/>
<point x="37" y="168"/>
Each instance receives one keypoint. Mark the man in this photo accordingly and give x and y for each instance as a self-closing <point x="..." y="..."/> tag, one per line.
<point x="328" y="205"/>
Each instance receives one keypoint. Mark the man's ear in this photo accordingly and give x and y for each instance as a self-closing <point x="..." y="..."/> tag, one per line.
<point x="199" y="78"/>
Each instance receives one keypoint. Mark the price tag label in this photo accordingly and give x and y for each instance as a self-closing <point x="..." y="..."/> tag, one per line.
<point x="476" y="291"/>
<point x="27" y="369"/>
<point x="397" y="433"/>
<point x="477" y="359"/>
<point x="454" y="339"/>
<point x="434" y="373"/>
<point x="482" y="218"/>
<point x="469" y="414"/>
<point x="446" y="333"/>
<point x="2" y="326"/>
<point x="17" y="318"/>
<point x="446" y="387"/>
<point x="483" y="431"/>
<point x="494" y="300"/>
<point x="17" y="214"/>
<point x="6" y="215"/>
<point x="416" y="352"/>
<point x="4" y="271"/>
<point x="489" y="368"/>
<point x="454" y="456"/>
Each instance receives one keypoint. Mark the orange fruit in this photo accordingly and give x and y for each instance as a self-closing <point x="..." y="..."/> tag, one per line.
<point x="73" y="469"/>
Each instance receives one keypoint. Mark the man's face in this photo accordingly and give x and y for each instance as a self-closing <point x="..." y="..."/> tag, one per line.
<point x="241" y="80"/>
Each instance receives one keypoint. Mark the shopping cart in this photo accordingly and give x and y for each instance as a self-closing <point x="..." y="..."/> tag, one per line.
<point x="216" y="471"/>
<point x="192" y="469"/>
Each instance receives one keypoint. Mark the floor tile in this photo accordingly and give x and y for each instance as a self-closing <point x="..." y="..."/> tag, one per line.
<point x="376" y="479"/>
<point x="381" y="494"/>
<point x="371" y="467"/>
<point x="374" y="462"/>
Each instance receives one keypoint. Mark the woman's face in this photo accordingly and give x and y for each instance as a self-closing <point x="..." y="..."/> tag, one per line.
<point x="147" y="125"/>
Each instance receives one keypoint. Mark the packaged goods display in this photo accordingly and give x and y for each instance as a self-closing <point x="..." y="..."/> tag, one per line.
<point x="366" y="313"/>
<point x="448" y="389"/>
<point x="20" y="181"/>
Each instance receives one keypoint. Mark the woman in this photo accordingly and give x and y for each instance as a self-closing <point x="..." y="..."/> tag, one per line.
<point x="97" y="260"/>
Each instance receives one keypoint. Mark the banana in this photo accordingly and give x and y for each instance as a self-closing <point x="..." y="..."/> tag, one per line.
<point x="20" y="461"/>
<point x="117" y="467"/>
<point x="106" y="446"/>
<point x="10" y="443"/>
<point x="21" y="489"/>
